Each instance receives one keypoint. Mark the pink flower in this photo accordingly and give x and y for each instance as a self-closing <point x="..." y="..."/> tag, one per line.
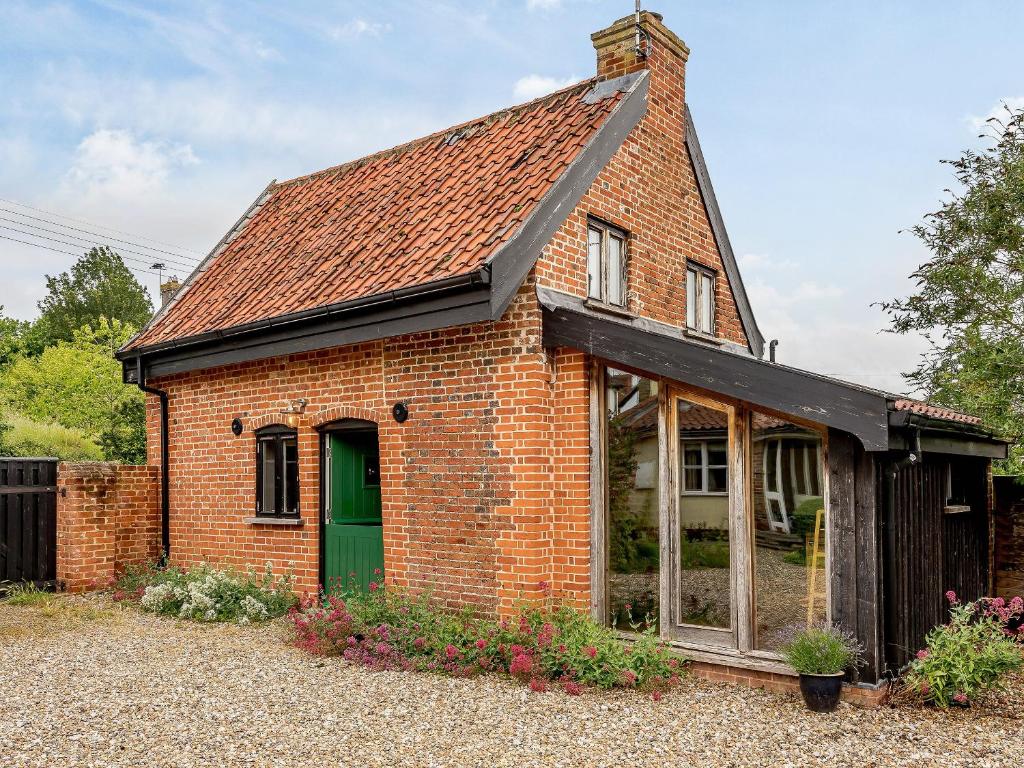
<point x="922" y="654"/>
<point x="544" y="587"/>
<point x="591" y="651"/>
<point x="951" y="596"/>
<point x="521" y="666"/>
<point x="481" y="644"/>
<point x="656" y="695"/>
<point x="382" y="649"/>
<point x="374" y="586"/>
<point x="538" y="685"/>
<point x="960" y="698"/>
<point x="451" y="651"/>
<point x="572" y="688"/>
<point x="1017" y="605"/>
<point x="377" y="571"/>
<point x="925" y="689"/>
<point x="419" y="642"/>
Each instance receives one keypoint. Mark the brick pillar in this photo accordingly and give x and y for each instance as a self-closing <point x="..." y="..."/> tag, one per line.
<point x="108" y="516"/>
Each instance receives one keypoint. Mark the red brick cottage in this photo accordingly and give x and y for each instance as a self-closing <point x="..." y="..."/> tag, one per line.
<point x="520" y="351"/>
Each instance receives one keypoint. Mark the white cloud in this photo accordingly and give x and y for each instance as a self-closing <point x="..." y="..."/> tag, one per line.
<point x="979" y="124"/>
<point x="115" y="164"/>
<point x="532" y="86"/>
<point x="543" y="5"/>
<point x="358" y="28"/>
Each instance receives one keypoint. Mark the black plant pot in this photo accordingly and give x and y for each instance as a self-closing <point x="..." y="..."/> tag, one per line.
<point x="821" y="692"/>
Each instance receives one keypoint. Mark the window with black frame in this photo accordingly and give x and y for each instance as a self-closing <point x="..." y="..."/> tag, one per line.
<point x="277" y="472"/>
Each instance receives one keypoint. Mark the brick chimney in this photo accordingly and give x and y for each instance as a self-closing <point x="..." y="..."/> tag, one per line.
<point x="617" y="51"/>
<point x="168" y="288"/>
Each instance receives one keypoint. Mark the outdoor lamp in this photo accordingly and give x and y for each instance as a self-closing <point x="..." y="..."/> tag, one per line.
<point x="293" y="410"/>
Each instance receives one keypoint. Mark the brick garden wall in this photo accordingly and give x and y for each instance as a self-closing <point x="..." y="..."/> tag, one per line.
<point x="108" y="517"/>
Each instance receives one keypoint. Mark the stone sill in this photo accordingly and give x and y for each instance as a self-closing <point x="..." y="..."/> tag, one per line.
<point x="293" y="522"/>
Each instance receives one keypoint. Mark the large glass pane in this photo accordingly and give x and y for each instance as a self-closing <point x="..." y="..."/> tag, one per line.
<point x="615" y="288"/>
<point x="594" y="263"/>
<point x="707" y="303"/>
<point x="632" y="496"/>
<point x="691" y="298"/>
<point x="704" y="582"/>
<point x="291" y="476"/>
<point x="789" y="529"/>
<point x="268" y="476"/>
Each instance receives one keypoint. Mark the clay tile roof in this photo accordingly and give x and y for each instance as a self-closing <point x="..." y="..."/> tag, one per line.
<point x="934" y="411"/>
<point x="431" y="209"/>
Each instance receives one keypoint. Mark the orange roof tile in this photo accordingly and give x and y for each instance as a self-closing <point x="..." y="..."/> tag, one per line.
<point x="934" y="411"/>
<point x="434" y="208"/>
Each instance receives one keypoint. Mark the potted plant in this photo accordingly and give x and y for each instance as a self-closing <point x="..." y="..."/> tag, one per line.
<point x="822" y="655"/>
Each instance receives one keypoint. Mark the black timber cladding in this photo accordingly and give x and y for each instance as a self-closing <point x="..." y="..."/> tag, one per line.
<point x="28" y="521"/>
<point x="860" y="412"/>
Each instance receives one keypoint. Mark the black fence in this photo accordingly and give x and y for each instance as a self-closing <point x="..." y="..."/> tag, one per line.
<point x="28" y="521"/>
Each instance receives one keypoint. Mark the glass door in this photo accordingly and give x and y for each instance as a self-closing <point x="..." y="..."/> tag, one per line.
<point x="705" y="519"/>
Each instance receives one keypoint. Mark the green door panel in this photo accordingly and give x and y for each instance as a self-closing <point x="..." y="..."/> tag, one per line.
<point x="353" y="535"/>
<point x="353" y="553"/>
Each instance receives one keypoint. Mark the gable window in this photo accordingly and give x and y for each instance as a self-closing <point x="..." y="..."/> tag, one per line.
<point x="606" y="263"/>
<point x="700" y="299"/>
<point x="277" y="472"/>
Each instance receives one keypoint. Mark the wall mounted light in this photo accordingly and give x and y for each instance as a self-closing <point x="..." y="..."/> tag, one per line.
<point x="293" y="410"/>
<point x="400" y="411"/>
<point x="236" y="427"/>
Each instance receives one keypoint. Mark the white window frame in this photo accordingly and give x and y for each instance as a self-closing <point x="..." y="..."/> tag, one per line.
<point x="695" y="290"/>
<point x="606" y="278"/>
<point x="704" y="467"/>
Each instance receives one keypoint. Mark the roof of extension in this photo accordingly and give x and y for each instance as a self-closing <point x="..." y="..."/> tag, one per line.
<point x="433" y="209"/>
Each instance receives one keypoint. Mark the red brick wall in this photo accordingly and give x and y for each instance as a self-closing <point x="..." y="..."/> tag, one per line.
<point x="108" y="517"/>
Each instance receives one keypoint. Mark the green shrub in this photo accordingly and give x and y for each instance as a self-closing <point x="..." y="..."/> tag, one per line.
<point x="704" y="554"/>
<point x="384" y="628"/>
<point x="822" y="651"/>
<point x="24" y="595"/>
<point x="796" y="557"/>
<point x="803" y="517"/>
<point x="203" y="593"/>
<point x="26" y="437"/>
<point x="971" y="654"/>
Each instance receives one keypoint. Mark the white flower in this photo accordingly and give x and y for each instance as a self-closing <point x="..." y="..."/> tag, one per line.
<point x="253" y="609"/>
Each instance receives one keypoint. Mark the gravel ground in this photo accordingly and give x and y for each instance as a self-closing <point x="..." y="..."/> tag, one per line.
<point x="92" y="684"/>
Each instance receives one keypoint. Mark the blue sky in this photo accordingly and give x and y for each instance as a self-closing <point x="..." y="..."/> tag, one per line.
<point x="822" y="123"/>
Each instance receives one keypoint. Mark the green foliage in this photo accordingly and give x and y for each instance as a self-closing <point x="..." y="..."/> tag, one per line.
<point x="803" y="517"/>
<point x="98" y="285"/>
<point x="961" y="660"/>
<point x="25" y="437"/>
<point x="203" y="593"/>
<point x="26" y="595"/>
<point x="703" y="554"/>
<point x="822" y="651"/>
<point x="12" y="338"/>
<point x="385" y="628"/>
<point x="78" y="384"/>
<point x="632" y="543"/>
<point x="969" y="301"/>
<point x="796" y="557"/>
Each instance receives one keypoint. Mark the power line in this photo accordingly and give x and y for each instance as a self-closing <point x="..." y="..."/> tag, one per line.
<point x="94" y="234"/>
<point x="146" y="258"/>
<point x="69" y="253"/>
<point x="97" y="226"/>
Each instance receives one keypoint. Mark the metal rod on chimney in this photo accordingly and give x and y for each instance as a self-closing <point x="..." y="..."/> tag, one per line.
<point x="637" y="28"/>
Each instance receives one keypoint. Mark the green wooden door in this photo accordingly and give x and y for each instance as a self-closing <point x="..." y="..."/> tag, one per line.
<point x="353" y="537"/>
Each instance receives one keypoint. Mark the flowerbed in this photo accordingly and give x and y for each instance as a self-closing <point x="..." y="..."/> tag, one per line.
<point x="545" y="645"/>
<point x="203" y="593"/>
<point x="982" y="643"/>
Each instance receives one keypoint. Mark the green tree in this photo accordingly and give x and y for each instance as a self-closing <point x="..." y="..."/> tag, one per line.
<point x="98" y="285"/>
<point x="12" y="337"/>
<point x="78" y="384"/>
<point x="969" y="300"/>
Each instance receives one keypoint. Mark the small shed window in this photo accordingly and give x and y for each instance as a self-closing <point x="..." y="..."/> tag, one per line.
<point x="705" y="467"/>
<point x="606" y="263"/>
<point x="700" y="299"/>
<point x="277" y="472"/>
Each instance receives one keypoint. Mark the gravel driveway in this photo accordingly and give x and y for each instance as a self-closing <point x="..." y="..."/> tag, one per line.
<point x="126" y="689"/>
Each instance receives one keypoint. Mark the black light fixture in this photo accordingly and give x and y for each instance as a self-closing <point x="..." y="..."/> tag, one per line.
<point x="400" y="411"/>
<point x="236" y="427"/>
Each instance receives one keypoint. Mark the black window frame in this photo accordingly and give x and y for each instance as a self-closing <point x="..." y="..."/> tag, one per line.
<point x="607" y="232"/>
<point x="280" y="436"/>
<point x="694" y="271"/>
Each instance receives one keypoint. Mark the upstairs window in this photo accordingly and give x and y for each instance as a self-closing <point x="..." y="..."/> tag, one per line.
<point x="700" y="299"/>
<point x="277" y="472"/>
<point x="606" y="264"/>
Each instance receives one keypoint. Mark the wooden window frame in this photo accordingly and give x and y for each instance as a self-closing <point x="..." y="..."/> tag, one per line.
<point x="694" y="272"/>
<point x="280" y="436"/>
<point x="607" y="233"/>
<point x="704" y="467"/>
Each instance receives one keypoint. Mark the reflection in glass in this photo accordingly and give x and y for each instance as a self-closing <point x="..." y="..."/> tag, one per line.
<point x="789" y="526"/>
<point x="705" y="592"/>
<point x="633" y="514"/>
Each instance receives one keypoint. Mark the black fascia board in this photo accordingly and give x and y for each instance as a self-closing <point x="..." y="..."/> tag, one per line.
<point x="848" y="408"/>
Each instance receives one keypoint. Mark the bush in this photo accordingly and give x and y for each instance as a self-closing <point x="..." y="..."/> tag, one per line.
<point x="26" y="437"/>
<point x="969" y="655"/>
<point x="822" y="651"/>
<point x="205" y="594"/>
<point x="384" y="628"/>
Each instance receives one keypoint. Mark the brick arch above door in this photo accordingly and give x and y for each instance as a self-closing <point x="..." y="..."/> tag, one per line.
<point x="339" y="412"/>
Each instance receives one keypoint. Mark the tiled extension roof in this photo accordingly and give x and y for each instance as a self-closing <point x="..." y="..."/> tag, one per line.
<point x="934" y="411"/>
<point x="434" y="208"/>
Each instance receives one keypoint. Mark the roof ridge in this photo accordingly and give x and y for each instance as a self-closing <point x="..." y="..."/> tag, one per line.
<point x="406" y="146"/>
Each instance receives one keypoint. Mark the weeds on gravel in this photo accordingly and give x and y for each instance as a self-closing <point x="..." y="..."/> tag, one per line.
<point x="980" y="646"/>
<point x="28" y="595"/>
<point x="203" y="593"/>
<point x="544" y="645"/>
